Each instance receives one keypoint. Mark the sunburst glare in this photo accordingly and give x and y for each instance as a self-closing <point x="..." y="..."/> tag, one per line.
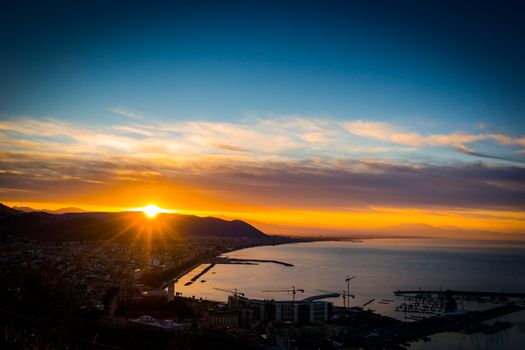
<point x="151" y="210"/>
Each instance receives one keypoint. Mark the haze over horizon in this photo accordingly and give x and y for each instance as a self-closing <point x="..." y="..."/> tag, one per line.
<point x="291" y="116"/>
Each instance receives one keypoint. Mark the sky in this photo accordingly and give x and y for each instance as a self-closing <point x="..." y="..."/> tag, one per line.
<point x="297" y="116"/>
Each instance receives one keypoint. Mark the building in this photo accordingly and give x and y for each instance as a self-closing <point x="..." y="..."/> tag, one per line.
<point x="309" y="310"/>
<point x="171" y="290"/>
<point x="221" y="319"/>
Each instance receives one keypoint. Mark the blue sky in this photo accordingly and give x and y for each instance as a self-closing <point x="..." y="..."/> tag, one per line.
<point x="445" y="65"/>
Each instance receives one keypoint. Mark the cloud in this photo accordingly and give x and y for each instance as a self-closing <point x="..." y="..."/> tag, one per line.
<point x="468" y="150"/>
<point x="457" y="140"/>
<point x="127" y="113"/>
<point x="508" y="140"/>
<point x="285" y="137"/>
<point x="230" y="147"/>
<point x="328" y="184"/>
<point x="382" y="131"/>
<point x="340" y="155"/>
<point x="132" y="130"/>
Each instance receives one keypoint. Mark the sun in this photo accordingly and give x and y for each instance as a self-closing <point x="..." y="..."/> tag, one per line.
<point x="151" y="210"/>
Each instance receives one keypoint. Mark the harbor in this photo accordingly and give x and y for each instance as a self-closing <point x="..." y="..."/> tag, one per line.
<point x="226" y="261"/>
<point x="379" y="292"/>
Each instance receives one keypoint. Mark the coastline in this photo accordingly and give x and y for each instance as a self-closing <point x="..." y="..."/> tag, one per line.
<point x="274" y="241"/>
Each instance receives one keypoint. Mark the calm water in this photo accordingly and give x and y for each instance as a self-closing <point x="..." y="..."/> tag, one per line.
<point x="381" y="266"/>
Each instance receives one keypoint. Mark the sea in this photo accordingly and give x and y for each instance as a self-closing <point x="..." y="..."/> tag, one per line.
<point x="380" y="267"/>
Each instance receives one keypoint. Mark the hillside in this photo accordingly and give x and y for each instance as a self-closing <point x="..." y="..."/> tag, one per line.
<point x="5" y="210"/>
<point x="125" y="225"/>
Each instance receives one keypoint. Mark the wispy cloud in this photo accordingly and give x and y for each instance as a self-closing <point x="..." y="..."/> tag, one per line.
<point x="457" y="140"/>
<point x="469" y="151"/>
<point x="382" y="131"/>
<point x="278" y="137"/>
<point x="127" y="113"/>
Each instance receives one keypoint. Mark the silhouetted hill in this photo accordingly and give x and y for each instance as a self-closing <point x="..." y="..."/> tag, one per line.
<point x="5" y="210"/>
<point x="124" y="225"/>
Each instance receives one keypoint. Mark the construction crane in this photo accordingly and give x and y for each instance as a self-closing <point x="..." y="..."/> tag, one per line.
<point x="293" y="291"/>
<point x="235" y="292"/>
<point x="347" y="280"/>
<point x="236" y="295"/>
<point x="342" y="294"/>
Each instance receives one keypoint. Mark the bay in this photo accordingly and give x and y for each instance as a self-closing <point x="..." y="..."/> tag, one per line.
<point x="381" y="266"/>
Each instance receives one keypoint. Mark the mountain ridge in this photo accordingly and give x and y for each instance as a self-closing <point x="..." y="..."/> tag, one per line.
<point x="110" y="225"/>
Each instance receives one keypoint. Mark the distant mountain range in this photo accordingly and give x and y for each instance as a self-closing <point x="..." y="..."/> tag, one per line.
<point x="57" y="211"/>
<point x="100" y="226"/>
<point x="398" y="231"/>
<point x="425" y="230"/>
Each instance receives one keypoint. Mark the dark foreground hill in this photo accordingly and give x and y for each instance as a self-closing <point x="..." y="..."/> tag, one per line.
<point x="122" y="225"/>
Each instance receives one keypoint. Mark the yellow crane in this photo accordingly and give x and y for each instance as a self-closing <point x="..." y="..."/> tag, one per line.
<point x="293" y="290"/>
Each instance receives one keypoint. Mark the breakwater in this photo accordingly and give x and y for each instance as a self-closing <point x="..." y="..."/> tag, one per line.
<point x="227" y="260"/>
<point x="200" y="274"/>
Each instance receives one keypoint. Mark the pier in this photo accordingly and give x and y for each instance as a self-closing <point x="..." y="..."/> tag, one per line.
<point x="227" y="260"/>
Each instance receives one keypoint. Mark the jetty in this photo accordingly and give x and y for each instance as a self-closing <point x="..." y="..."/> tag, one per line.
<point x="227" y="260"/>
<point x="200" y="274"/>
